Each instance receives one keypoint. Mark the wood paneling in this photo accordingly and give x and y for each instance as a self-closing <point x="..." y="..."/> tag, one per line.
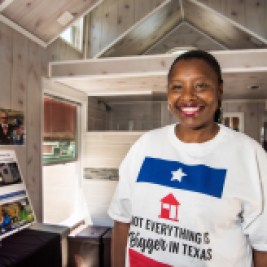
<point x="252" y="14"/>
<point x="97" y="115"/>
<point x="40" y="17"/>
<point x="217" y="26"/>
<point x="6" y="52"/>
<point x="113" y="18"/>
<point x="20" y="72"/>
<point x="253" y="115"/>
<point x="184" y="35"/>
<point x="145" y="34"/>
<point x="107" y="149"/>
<point x="23" y="64"/>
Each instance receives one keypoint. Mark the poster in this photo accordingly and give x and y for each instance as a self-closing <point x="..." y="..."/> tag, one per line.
<point x="12" y="130"/>
<point x="15" y="208"/>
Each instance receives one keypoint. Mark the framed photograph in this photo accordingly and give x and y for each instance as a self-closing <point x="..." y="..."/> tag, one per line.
<point x="234" y="120"/>
<point x="12" y="130"/>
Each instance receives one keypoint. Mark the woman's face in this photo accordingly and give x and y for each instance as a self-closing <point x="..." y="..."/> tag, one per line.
<point x="193" y="93"/>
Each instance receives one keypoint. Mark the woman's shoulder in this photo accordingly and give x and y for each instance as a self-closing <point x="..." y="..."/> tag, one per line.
<point x="240" y="138"/>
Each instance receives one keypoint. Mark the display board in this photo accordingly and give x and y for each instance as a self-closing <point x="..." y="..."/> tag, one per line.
<point x="16" y="210"/>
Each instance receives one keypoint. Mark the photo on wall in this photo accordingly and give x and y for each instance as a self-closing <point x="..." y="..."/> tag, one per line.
<point x="16" y="211"/>
<point x="12" y="130"/>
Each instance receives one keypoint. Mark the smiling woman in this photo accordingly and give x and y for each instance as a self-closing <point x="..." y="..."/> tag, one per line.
<point x="196" y="175"/>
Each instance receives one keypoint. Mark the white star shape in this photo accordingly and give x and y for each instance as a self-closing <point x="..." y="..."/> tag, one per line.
<point x="178" y="175"/>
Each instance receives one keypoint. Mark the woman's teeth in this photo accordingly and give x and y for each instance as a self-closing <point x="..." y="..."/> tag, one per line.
<point x="189" y="110"/>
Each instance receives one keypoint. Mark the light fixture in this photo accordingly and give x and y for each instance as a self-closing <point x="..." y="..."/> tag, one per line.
<point x="180" y="50"/>
<point x="65" y="18"/>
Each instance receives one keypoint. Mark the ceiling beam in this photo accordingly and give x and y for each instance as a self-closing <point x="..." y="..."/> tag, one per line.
<point x="230" y="60"/>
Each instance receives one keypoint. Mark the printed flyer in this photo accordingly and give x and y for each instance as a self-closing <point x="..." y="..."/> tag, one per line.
<point x="16" y="211"/>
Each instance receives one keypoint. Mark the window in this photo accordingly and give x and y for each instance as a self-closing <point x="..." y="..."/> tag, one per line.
<point x="60" y="130"/>
<point x="74" y="35"/>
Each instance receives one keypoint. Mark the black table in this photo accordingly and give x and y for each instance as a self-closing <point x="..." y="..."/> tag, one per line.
<point x="31" y="248"/>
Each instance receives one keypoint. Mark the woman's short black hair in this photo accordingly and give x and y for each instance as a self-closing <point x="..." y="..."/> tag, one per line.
<point x="199" y="54"/>
<point x="212" y="62"/>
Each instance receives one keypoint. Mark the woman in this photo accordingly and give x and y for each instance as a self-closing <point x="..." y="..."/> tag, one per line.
<point x="194" y="193"/>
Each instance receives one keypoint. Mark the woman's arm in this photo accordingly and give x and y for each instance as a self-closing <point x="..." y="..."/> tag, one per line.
<point x="118" y="244"/>
<point x="260" y="258"/>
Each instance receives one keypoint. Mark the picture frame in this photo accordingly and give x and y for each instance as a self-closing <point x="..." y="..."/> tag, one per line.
<point x="12" y="128"/>
<point x="234" y="120"/>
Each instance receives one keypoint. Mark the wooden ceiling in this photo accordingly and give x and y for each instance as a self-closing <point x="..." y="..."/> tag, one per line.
<point x="206" y="24"/>
<point x="39" y="18"/>
<point x="223" y="30"/>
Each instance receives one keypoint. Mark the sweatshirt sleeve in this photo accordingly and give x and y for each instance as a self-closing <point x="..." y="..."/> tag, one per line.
<point x="257" y="229"/>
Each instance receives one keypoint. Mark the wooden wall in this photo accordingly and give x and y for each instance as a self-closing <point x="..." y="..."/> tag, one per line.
<point x="23" y="63"/>
<point x="107" y="149"/>
<point x="97" y="115"/>
<point x="253" y="114"/>
<point x="112" y="18"/>
<point x="243" y="12"/>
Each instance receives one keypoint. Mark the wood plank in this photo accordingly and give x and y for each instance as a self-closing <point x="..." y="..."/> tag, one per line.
<point x="95" y="31"/>
<point x="142" y="8"/>
<point x="256" y="16"/>
<point x="6" y="61"/>
<point x="235" y="10"/>
<point x="150" y="65"/>
<point x="33" y="155"/>
<point x="107" y="149"/>
<point x="217" y="5"/>
<point x="109" y="29"/>
<point x="147" y="32"/>
<point x="126" y="15"/>
<point x="20" y="72"/>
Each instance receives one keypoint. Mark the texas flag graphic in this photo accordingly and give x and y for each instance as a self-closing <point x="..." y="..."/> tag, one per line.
<point x="195" y="178"/>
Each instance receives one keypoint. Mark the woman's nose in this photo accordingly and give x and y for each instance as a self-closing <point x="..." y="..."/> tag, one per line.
<point x="188" y="93"/>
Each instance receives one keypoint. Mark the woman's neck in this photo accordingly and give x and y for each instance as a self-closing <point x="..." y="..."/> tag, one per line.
<point x="199" y="135"/>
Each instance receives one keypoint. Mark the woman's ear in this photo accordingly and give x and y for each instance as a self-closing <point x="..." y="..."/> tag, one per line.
<point x="169" y="107"/>
<point x="220" y="90"/>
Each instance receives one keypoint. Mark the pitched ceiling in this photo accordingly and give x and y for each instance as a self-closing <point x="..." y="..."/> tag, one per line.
<point x="44" y="20"/>
<point x="167" y="27"/>
<point x="221" y="29"/>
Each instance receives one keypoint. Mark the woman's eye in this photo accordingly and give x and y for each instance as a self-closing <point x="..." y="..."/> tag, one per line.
<point x="177" y="87"/>
<point x="201" y="86"/>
